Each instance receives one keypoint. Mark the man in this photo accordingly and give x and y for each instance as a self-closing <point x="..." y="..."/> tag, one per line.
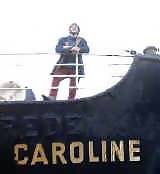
<point x="70" y="48"/>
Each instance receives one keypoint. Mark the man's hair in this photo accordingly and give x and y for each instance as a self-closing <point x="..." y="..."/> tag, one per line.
<point x="74" y="28"/>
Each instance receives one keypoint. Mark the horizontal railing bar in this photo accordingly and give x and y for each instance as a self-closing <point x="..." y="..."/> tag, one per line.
<point x="68" y="76"/>
<point x="23" y="54"/>
<point x="119" y="64"/>
<point x="119" y="76"/>
<point x="77" y="87"/>
<point x="51" y="53"/>
<point x="32" y="89"/>
<point x="74" y="64"/>
<point x="15" y="88"/>
<point x="65" y="64"/>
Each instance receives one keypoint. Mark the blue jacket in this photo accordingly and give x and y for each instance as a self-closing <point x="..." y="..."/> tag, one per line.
<point x="67" y="57"/>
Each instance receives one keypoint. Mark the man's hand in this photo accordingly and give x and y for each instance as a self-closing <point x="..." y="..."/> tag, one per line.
<point x="67" y="46"/>
<point x="75" y="50"/>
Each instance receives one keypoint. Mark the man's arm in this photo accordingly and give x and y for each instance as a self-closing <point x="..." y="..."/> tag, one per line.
<point x="83" y="46"/>
<point x="61" y="47"/>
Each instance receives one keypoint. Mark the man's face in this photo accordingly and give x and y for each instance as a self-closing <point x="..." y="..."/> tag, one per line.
<point x="74" y="34"/>
<point x="74" y="31"/>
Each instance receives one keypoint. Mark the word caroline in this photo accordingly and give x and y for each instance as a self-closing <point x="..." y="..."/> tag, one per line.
<point x="77" y="152"/>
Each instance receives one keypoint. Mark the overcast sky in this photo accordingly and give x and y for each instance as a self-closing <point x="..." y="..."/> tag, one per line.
<point x="107" y="25"/>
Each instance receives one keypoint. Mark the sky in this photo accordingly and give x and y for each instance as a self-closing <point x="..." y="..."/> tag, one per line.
<point x="109" y="26"/>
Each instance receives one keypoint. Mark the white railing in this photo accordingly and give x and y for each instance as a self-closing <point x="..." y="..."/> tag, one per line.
<point x="34" y="71"/>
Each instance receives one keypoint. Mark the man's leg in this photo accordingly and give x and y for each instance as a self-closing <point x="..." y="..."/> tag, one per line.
<point x="55" y="82"/>
<point x="72" y="90"/>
